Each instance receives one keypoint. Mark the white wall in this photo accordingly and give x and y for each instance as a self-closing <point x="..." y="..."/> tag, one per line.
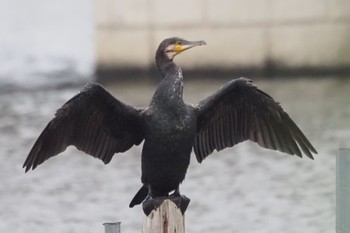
<point x="239" y="33"/>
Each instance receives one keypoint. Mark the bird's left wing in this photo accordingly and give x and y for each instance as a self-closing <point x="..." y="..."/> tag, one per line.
<point x="94" y="122"/>
<point x="240" y="111"/>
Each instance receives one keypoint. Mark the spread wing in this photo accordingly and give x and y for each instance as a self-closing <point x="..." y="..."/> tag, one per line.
<point x="94" y="122"/>
<point x="240" y="111"/>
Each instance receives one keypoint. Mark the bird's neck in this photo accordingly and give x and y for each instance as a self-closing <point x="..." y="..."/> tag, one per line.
<point x="164" y="63"/>
<point x="170" y="89"/>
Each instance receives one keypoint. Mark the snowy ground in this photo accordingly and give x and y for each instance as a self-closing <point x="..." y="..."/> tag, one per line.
<point x="244" y="189"/>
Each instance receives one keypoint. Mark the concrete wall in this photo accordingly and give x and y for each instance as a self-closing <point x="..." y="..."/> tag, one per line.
<point x="263" y="35"/>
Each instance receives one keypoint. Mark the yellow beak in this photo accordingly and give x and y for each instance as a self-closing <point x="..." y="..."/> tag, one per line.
<point x="190" y="44"/>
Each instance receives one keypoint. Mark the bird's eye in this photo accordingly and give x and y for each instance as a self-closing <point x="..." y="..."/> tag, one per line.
<point x="178" y="42"/>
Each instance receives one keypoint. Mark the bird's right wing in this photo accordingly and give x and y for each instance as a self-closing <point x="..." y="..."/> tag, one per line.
<point x="239" y="111"/>
<point x="94" y="122"/>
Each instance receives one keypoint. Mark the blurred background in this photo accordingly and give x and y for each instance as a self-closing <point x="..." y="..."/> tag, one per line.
<point x="297" y="51"/>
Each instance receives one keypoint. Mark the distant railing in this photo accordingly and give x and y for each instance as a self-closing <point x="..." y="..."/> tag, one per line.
<point x="343" y="191"/>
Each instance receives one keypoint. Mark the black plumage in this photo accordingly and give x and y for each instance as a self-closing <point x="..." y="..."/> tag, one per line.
<point x="100" y="125"/>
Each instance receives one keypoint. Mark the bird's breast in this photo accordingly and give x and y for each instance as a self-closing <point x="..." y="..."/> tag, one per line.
<point x="170" y="125"/>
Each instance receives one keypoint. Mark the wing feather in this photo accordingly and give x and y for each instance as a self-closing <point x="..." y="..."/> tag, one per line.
<point x="239" y="111"/>
<point x="94" y="122"/>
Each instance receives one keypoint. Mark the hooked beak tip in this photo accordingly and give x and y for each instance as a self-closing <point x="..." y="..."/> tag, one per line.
<point x="201" y="42"/>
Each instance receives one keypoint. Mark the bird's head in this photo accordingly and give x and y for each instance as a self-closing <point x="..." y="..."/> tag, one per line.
<point x="175" y="45"/>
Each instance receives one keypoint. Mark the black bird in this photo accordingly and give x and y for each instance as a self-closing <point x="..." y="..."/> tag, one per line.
<point x="100" y="125"/>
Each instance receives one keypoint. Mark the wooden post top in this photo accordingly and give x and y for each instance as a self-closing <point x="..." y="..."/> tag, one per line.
<point x="166" y="218"/>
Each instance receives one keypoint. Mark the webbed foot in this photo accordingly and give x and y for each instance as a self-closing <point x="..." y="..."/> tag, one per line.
<point x="152" y="203"/>
<point x="181" y="201"/>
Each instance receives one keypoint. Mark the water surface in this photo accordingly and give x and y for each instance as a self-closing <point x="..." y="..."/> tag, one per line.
<point x="242" y="189"/>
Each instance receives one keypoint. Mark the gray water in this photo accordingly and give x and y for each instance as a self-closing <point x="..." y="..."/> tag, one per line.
<point x="242" y="189"/>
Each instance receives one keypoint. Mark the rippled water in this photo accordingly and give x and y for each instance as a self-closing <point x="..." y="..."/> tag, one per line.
<point x="243" y="189"/>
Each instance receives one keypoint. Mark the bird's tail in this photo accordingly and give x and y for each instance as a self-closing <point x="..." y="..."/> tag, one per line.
<point x="139" y="197"/>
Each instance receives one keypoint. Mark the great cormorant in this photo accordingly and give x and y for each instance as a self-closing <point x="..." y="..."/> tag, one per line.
<point x="100" y="125"/>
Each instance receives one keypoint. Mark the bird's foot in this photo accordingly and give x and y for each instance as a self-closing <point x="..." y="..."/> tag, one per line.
<point x="181" y="201"/>
<point x="152" y="203"/>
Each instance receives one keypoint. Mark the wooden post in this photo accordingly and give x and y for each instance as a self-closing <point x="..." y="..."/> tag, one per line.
<point x="166" y="218"/>
<point x="343" y="191"/>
